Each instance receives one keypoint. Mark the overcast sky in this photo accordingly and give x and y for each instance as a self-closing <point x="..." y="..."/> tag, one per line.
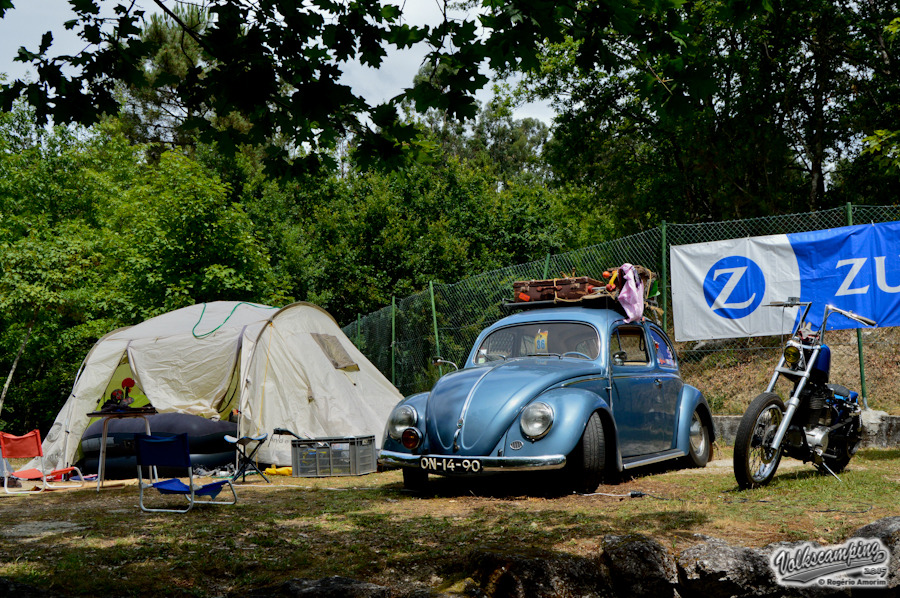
<point x="30" y="19"/>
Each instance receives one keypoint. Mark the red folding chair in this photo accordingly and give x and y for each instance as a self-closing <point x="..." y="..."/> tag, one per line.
<point x="29" y="447"/>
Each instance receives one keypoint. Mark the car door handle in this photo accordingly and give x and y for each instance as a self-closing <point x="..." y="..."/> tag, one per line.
<point x="658" y="383"/>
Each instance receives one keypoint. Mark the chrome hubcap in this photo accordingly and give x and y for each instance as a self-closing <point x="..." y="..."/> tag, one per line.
<point x="698" y="438"/>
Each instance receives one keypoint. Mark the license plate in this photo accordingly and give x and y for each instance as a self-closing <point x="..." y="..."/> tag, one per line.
<point x="450" y="465"/>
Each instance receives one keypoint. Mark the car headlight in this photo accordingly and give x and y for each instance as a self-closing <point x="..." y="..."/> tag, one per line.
<point x="792" y="354"/>
<point x="401" y="418"/>
<point x="536" y="420"/>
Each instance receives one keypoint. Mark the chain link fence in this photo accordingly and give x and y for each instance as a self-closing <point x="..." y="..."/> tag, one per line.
<point x="401" y="339"/>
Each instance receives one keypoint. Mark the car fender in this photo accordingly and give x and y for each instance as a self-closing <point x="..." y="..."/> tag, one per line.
<point x="418" y="402"/>
<point x="691" y="399"/>
<point x="572" y="407"/>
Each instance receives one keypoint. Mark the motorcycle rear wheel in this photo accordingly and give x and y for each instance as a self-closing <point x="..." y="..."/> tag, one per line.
<point x="843" y="452"/>
<point x="755" y="462"/>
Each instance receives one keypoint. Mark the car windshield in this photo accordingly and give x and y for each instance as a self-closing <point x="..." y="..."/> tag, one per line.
<point x="567" y="339"/>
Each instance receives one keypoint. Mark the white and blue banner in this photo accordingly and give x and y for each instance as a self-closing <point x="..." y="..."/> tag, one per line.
<point x="721" y="289"/>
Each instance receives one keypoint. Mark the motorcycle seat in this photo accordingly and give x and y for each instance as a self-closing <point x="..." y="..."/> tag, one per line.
<point x="839" y="390"/>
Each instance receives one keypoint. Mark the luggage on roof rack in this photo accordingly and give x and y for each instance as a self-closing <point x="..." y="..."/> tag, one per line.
<point x="556" y="289"/>
<point x="583" y="290"/>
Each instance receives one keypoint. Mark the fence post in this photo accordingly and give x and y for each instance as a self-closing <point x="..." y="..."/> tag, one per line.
<point x="393" y="339"/>
<point x="663" y="276"/>
<point x="437" y="344"/>
<point x="859" y="340"/>
<point x="546" y="267"/>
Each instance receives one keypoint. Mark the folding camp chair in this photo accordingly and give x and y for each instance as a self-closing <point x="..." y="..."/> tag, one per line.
<point x="246" y="462"/>
<point x="174" y="451"/>
<point x="29" y="447"/>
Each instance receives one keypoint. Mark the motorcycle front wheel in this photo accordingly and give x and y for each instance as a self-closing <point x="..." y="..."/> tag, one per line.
<point x="755" y="461"/>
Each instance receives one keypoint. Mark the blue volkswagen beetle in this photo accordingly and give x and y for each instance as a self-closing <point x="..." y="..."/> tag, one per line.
<point x="570" y="388"/>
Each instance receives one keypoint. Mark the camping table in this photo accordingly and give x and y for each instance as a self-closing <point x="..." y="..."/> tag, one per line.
<point x="142" y="412"/>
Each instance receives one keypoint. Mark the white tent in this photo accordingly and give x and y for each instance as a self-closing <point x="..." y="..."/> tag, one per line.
<point x="280" y="368"/>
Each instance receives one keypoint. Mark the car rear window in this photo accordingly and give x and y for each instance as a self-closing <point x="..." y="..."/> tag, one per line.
<point x="627" y="346"/>
<point x="544" y="338"/>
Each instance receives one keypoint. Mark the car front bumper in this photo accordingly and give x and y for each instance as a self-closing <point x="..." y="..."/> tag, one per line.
<point x="486" y="464"/>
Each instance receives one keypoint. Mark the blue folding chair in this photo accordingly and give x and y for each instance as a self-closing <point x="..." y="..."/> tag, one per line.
<point x="174" y="452"/>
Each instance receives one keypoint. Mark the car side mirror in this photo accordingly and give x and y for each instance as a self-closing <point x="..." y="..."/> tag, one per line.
<point x="442" y="361"/>
<point x="620" y="357"/>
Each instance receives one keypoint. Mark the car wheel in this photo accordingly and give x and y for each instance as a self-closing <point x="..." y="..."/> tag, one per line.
<point x="415" y="479"/>
<point x="698" y="442"/>
<point x="587" y="461"/>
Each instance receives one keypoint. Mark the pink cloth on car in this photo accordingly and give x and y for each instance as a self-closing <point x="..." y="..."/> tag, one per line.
<point x="632" y="294"/>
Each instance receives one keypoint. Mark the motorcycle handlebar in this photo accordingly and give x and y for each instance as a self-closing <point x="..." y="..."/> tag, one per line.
<point x="788" y="303"/>
<point x="866" y="321"/>
<point x="853" y="316"/>
<point x="795" y="302"/>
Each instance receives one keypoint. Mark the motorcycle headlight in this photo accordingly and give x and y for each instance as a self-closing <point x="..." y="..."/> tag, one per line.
<point x="401" y="418"/>
<point x="536" y="420"/>
<point x="792" y="355"/>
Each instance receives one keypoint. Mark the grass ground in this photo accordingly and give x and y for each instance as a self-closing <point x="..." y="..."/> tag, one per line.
<point x="88" y="543"/>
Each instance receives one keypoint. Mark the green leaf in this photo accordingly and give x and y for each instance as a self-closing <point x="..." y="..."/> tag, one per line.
<point x="87" y="7"/>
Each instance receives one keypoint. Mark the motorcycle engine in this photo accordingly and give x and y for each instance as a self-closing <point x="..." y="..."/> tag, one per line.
<point x="814" y="414"/>
<point x="813" y="407"/>
<point x="817" y="439"/>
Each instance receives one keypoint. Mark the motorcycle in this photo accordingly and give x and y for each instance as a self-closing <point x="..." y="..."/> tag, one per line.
<point x="821" y="423"/>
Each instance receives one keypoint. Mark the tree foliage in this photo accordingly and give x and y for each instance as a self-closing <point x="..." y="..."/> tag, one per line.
<point x="512" y="149"/>
<point x="92" y="238"/>
<point x="155" y="114"/>
<point x="271" y="69"/>
<point x="351" y="243"/>
<point x="884" y="143"/>
<point x="740" y="114"/>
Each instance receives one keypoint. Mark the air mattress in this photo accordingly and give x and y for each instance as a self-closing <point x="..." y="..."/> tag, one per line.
<point x="209" y="449"/>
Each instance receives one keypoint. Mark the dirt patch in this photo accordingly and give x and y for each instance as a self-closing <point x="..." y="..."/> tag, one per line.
<point x="726" y="466"/>
<point x="38" y="530"/>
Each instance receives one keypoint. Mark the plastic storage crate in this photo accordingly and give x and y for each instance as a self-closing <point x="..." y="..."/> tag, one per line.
<point x="323" y="457"/>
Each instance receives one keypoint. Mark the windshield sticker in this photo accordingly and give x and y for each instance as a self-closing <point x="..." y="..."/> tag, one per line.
<point x="662" y="353"/>
<point x="540" y="341"/>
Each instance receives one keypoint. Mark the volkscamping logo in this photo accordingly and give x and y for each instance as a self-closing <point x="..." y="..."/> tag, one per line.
<point x="734" y="287"/>
<point x="858" y="562"/>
